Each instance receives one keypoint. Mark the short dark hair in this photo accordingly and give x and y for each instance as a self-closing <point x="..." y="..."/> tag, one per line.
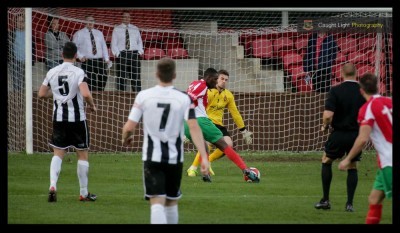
<point x="225" y="72"/>
<point x="210" y="72"/>
<point x="166" y="68"/>
<point x="69" y="50"/>
<point x="369" y="83"/>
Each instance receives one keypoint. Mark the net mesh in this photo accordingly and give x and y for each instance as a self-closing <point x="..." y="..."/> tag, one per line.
<point x="265" y="59"/>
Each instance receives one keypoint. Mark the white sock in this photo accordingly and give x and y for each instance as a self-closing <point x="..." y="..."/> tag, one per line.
<point x="83" y="170"/>
<point x="55" y="169"/>
<point x="193" y="167"/>
<point x="171" y="212"/>
<point x="157" y="215"/>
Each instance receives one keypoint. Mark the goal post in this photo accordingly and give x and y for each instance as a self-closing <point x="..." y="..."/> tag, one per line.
<point x="28" y="80"/>
<point x="263" y="49"/>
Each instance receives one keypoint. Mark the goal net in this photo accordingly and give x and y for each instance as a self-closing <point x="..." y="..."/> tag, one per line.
<point x="273" y="70"/>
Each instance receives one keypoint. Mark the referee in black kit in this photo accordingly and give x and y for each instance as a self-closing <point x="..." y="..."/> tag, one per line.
<point x="127" y="46"/>
<point x="341" y="111"/>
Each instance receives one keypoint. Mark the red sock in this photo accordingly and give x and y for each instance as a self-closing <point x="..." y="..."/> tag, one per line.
<point x="374" y="214"/>
<point x="235" y="157"/>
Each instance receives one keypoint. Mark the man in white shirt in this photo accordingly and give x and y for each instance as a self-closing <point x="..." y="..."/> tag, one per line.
<point x="93" y="53"/>
<point x="127" y="46"/>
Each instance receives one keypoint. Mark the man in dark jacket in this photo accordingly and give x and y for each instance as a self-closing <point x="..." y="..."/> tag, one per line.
<point x="318" y="60"/>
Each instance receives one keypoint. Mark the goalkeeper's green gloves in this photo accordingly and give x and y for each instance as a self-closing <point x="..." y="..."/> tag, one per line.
<point x="247" y="136"/>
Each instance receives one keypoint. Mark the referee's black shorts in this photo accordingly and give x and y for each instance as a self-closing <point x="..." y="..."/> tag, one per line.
<point x="340" y="143"/>
<point x="223" y="130"/>
<point x="70" y="134"/>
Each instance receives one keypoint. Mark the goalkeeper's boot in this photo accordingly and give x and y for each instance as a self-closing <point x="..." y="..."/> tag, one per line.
<point x="89" y="197"/>
<point x="191" y="172"/>
<point x="323" y="204"/>
<point x="206" y="178"/>
<point x="211" y="171"/>
<point x="251" y="175"/>
<point x="52" y="195"/>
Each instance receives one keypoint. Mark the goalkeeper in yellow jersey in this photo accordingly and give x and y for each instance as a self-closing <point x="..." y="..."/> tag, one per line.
<point x="220" y="98"/>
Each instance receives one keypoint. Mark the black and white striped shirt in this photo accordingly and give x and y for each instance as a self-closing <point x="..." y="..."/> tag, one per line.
<point x="64" y="81"/>
<point x="164" y="110"/>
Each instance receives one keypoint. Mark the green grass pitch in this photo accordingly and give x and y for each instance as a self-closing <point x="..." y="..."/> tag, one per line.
<point x="290" y="185"/>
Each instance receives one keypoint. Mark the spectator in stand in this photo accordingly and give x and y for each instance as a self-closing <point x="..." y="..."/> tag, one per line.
<point x="93" y="53"/>
<point x="127" y="46"/>
<point x="17" y="53"/>
<point x="55" y="41"/>
<point x="318" y="60"/>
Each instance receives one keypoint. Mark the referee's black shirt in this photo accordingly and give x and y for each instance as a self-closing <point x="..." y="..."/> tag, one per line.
<point x="345" y="100"/>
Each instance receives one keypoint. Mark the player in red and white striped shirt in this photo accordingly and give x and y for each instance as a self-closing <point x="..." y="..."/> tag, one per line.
<point x="198" y="92"/>
<point x="375" y="119"/>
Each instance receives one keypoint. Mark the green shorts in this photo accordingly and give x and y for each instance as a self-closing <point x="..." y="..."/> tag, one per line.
<point x="383" y="181"/>
<point x="210" y="132"/>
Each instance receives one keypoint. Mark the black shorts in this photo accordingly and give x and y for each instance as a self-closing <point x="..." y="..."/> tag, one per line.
<point x="70" y="134"/>
<point x="223" y="130"/>
<point x="340" y="143"/>
<point x="162" y="179"/>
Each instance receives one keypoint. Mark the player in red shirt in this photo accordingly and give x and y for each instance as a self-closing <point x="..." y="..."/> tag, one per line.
<point x="375" y="119"/>
<point x="198" y="92"/>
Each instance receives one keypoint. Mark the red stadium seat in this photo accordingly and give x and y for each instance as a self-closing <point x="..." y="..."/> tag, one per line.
<point x="246" y="39"/>
<point x="40" y="52"/>
<point x="297" y="72"/>
<point x="335" y="82"/>
<point x="291" y="59"/>
<point x="302" y="86"/>
<point x="262" y="48"/>
<point x="282" y="46"/>
<point x="301" y="45"/>
<point x="39" y="36"/>
<point x="336" y="71"/>
<point x="347" y="45"/>
<point x="362" y="69"/>
<point x="357" y="57"/>
<point x="340" y="58"/>
<point x="150" y="35"/>
<point x="172" y="42"/>
<point x="177" y="53"/>
<point x="152" y="44"/>
<point x="372" y="57"/>
<point x="366" y="44"/>
<point x="282" y="43"/>
<point x="153" y="54"/>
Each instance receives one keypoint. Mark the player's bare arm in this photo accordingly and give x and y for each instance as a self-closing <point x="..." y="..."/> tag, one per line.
<point x="127" y="132"/>
<point x="362" y="139"/>
<point x="45" y="92"/>
<point x="84" y="89"/>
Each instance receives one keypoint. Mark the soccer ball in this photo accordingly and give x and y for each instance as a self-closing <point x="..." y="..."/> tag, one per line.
<point x="254" y="170"/>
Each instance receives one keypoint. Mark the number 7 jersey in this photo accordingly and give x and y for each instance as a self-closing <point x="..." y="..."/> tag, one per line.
<point x="164" y="110"/>
<point x="64" y="81"/>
